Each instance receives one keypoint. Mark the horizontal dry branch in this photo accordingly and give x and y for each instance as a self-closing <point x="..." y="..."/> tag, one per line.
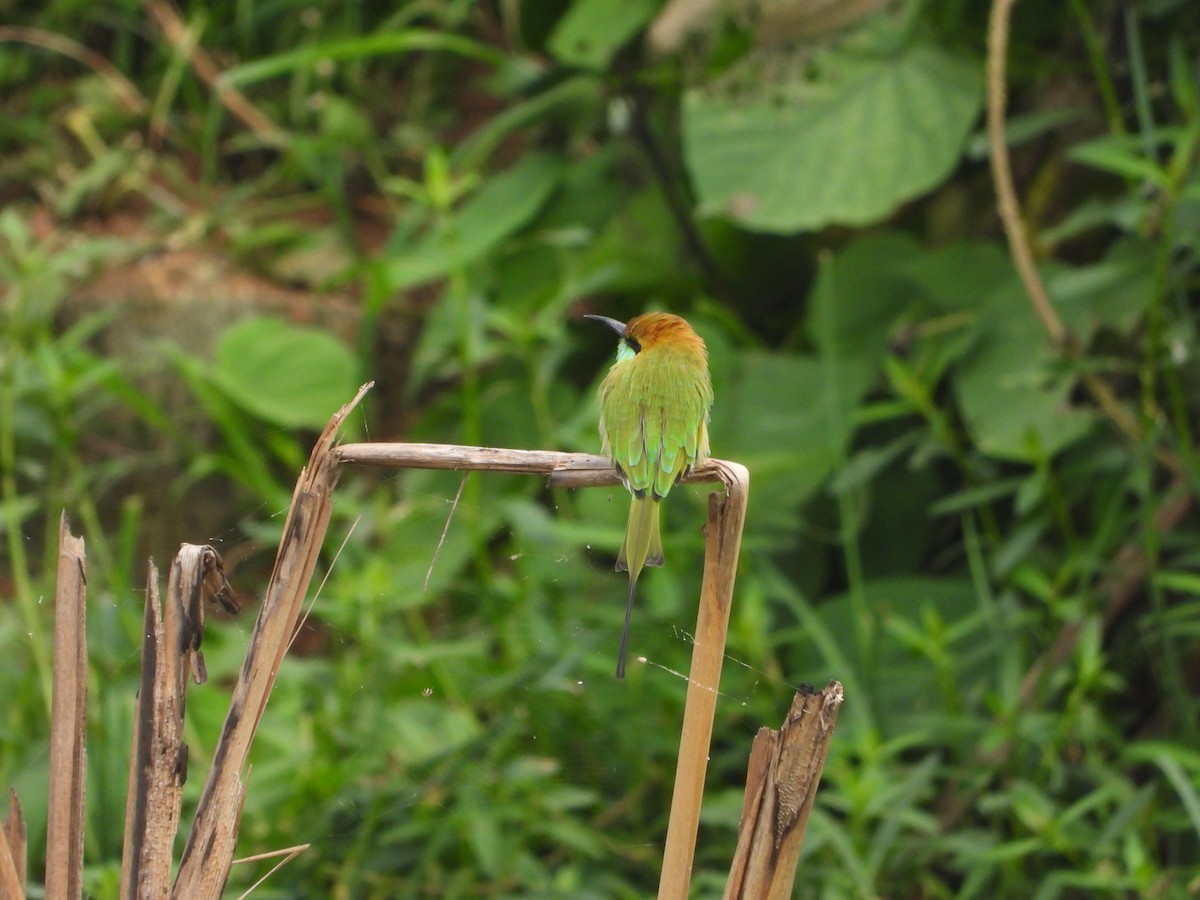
<point x="564" y="469"/>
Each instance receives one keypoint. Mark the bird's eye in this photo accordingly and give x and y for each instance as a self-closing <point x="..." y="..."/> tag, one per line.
<point x="633" y="345"/>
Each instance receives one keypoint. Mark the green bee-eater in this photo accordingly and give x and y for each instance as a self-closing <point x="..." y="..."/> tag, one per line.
<point x="654" y="406"/>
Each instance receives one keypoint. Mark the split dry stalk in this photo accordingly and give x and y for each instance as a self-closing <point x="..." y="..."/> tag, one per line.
<point x="68" y="719"/>
<point x="781" y="785"/>
<point x="12" y="850"/>
<point x="208" y="854"/>
<point x="159" y="757"/>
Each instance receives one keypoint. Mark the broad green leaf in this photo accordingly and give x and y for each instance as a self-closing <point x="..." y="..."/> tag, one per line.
<point x="960" y="276"/>
<point x="789" y="419"/>
<point x="504" y="204"/>
<point x="897" y="680"/>
<point x="1113" y="292"/>
<point x="290" y="376"/>
<point x="858" y="296"/>
<point x="1014" y="400"/>
<point x="592" y="31"/>
<point x="1012" y="387"/>
<point x="637" y="250"/>
<point x="850" y="154"/>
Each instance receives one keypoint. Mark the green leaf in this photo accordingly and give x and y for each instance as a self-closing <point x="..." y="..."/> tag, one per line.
<point x="290" y="376"/>
<point x="959" y="276"/>
<point x="1114" y="291"/>
<point x="592" y="31"/>
<point x="1121" y="155"/>
<point x="1015" y="403"/>
<point x="431" y="729"/>
<point x="788" y="418"/>
<point x="504" y="204"/>
<point x="859" y="294"/>
<point x="850" y="154"/>
<point x="898" y="683"/>
<point x="379" y="44"/>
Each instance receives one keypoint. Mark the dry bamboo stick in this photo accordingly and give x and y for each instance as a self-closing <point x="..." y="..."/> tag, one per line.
<point x="726" y="516"/>
<point x="12" y="850"/>
<point x="138" y="854"/>
<point x="68" y="717"/>
<point x="208" y="854"/>
<point x="568" y="470"/>
<point x="723" y="539"/>
<point x="158" y="763"/>
<point x="781" y="784"/>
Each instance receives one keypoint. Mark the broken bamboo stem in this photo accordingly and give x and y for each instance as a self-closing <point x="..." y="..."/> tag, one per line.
<point x="12" y="850"/>
<point x="208" y="854"/>
<point x="68" y="721"/>
<point x="723" y="539"/>
<point x="781" y="785"/>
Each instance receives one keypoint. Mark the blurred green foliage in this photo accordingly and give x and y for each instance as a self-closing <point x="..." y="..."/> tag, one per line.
<point x="944" y="516"/>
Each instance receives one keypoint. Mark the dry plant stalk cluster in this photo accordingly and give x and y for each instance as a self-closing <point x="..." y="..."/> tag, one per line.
<point x="783" y="785"/>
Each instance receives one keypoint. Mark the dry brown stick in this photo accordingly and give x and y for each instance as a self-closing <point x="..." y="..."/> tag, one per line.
<point x="12" y="850"/>
<point x="567" y="470"/>
<point x="208" y="853"/>
<point x="1006" y="195"/>
<point x="68" y="718"/>
<point x="723" y="532"/>
<point x="127" y="94"/>
<point x="781" y="785"/>
<point x="140" y="848"/>
<point x="206" y="70"/>
<point x="1130" y="561"/>
<point x="1018" y="241"/>
<point x="158" y="763"/>
<point x="723" y="539"/>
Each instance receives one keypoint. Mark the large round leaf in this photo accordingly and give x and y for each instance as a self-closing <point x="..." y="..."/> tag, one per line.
<point x="849" y="153"/>
<point x="290" y="376"/>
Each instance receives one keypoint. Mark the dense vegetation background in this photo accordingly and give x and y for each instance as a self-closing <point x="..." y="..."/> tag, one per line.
<point x="219" y="218"/>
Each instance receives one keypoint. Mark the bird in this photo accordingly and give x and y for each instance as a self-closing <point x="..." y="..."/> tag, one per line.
<point x="654" y="406"/>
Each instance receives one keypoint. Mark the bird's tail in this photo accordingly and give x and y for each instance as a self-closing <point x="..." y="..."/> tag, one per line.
<point x="643" y="544"/>
<point x="642" y="547"/>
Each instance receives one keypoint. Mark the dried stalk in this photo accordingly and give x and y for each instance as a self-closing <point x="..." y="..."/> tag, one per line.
<point x="68" y="718"/>
<point x="176" y="34"/>
<point x="723" y="540"/>
<point x="567" y="470"/>
<point x="781" y="784"/>
<point x="208" y="855"/>
<point x="1006" y="194"/>
<point x="1009" y="208"/>
<point x="158" y="762"/>
<point x="726" y="516"/>
<point x="12" y="850"/>
<point x="125" y="90"/>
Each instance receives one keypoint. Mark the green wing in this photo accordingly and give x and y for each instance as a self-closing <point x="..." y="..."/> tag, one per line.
<point x="654" y="419"/>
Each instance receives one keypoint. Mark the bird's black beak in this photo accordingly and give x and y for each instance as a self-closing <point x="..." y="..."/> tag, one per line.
<point x="618" y="327"/>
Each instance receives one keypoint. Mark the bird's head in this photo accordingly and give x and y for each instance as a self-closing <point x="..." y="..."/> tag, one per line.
<point x="650" y="330"/>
